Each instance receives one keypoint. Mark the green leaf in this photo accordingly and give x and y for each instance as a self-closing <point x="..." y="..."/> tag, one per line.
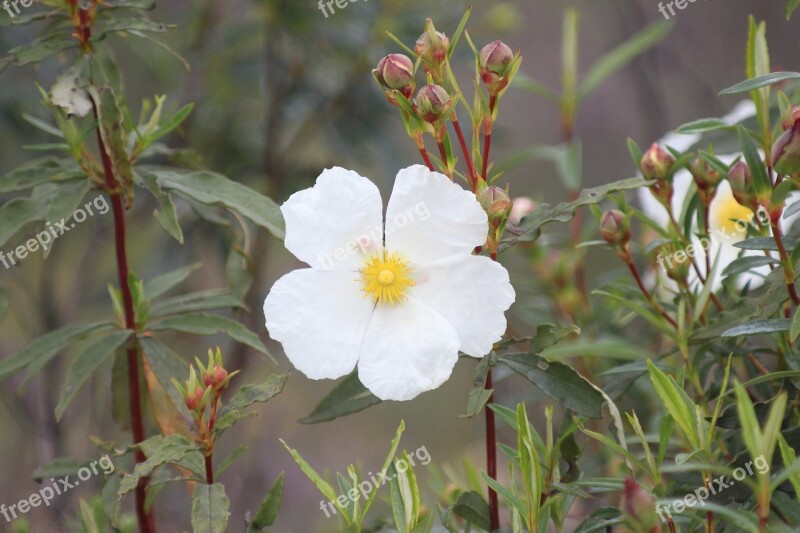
<point x="559" y="381"/>
<point x="703" y="125"/>
<point x="69" y="199"/>
<point x="548" y="335"/>
<point x="197" y="301"/>
<point x="211" y="508"/>
<point x="210" y="188"/>
<point x="791" y="5"/>
<point x="623" y="54"/>
<point x="761" y="180"/>
<point x="268" y="512"/>
<point x="18" y="213"/>
<point x="112" y="132"/>
<point x="168" y="216"/>
<point x="38" y="172"/>
<point x="348" y="397"/>
<point x="168" y="450"/>
<point x="477" y="399"/>
<point x="473" y="508"/>
<point x="757" y="327"/>
<point x="764" y="243"/>
<point x="117" y="24"/>
<point x="677" y="402"/>
<point x="747" y="263"/>
<point x="247" y="396"/>
<point x="761" y="81"/>
<point x="530" y="227"/>
<point x="323" y="486"/>
<point x="44" y="348"/>
<point x="85" y="364"/>
<point x="172" y="122"/>
<point x="204" y="324"/>
<point x="163" y="283"/>
<point x="41" y="48"/>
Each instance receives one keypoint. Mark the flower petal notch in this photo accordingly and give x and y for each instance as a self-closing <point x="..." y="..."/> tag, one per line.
<point x="398" y="300"/>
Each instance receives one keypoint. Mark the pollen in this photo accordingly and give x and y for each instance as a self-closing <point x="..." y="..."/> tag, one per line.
<point x="387" y="277"/>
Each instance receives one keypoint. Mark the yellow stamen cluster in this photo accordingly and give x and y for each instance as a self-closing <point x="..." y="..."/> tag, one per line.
<point x="386" y="278"/>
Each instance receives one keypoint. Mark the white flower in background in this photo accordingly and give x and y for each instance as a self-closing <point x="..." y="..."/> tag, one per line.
<point x="398" y="300"/>
<point x="723" y="213"/>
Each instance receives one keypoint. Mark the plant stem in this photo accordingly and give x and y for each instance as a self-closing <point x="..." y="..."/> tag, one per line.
<point x="646" y="293"/>
<point x="473" y="174"/>
<point x="423" y="152"/>
<point x="145" y="519"/>
<point x="209" y="470"/>
<point x="445" y="162"/>
<point x="788" y="268"/>
<point x="491" y="456"/>
<point x="487" y="135"/>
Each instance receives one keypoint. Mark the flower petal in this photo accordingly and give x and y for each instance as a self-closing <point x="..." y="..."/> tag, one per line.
<point x="472" y="293"/>
<point x="336" y="223"/>
<point x="408" y="349"/>
<point x="320" y="318"/>
<point x="430" y="218"/>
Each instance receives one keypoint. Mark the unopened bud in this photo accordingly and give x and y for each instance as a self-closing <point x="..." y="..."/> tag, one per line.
<point x="639" y="508"/>
<point x="615" y="228"/>
<point x="521" y="206"/>
<point x="704" y="175"/>
<point x="494" y="61"/>
<point x="496" y="203"/>
<point x="432" y="46"/>
<point x="657" y="164"/>
<point x="742" y="184"/>
<point x="432" y="103"/>
<point x="194" y="399"/>
<point x="396" y="72"/>
<point x="786" y="150"/>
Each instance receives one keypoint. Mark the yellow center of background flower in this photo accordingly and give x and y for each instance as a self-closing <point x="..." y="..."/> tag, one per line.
<point x="727" y="211"/>
<point x="386" y="278"/>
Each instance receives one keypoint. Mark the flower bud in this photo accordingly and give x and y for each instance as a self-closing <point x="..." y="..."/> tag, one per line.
<point x="521" y="206"/>
<point x="495" y="57"/>
<point x="786" y="150"/>
<point x="615" y="228"/>
<point x="742" y="184"/>
<point x="704" y="175"/>
<point x="496" y="203"/>
<point x="657" y="164"/>
<point x="432" y="46"/>
<point x="396" y="72"/>
<point x="639" y="508"/>
<point x="194" y="399"/>
<point x="432" y="103"/>
<point x="495" y="60"/>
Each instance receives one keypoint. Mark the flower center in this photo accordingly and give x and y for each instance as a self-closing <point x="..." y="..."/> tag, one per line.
<point x="386" y="278"/>
<point x="728" y="212"/>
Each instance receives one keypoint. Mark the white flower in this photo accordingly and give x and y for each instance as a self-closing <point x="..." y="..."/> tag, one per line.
<point x="400" y="311"/>
<point x="723" y="214"/>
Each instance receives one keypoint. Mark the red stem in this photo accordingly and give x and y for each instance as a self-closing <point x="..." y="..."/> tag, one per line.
<point x="491" y="457"/>
<point x="427" y="159"/>
<point x="473" y="174"/>
<point x="209" y="470"/>
<point x="443" y="155"/>
<point x="647" y="294"/>
<point x="487" y="135"/>
<point x="145" y="519"/>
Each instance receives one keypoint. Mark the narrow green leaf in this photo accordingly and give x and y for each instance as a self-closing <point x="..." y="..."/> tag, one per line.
<point x="247" y="396"/>
<point x="748" y="263"/>
<point x="703" y="125"/>
<point x="348" y="397"/>
<point x="215" y="189"/>
<point x="760" y="81"/>
<point x="559" y="381"/>
<point x="168" y="216"/>
<point x="677" y="402"/>
<point x="163" y="283"/>
<point x="473" y="508"/>
<point x="160" y="450"/>
<point x="757" y="327"/>
<point x="85" y="364"/>
<point x="623" y="54"/>
<point x="268" y="512"/>
<point x="197" y="301"/>
<point x="791" y="5"/>
<point x="205" y="324"/>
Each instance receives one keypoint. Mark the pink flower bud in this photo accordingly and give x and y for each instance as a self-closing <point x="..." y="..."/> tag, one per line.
<point x="742" y="184"/>
<point x="495" y="57"/>
<point x="496" y="203"/>
<point x="615" y="228"/>
<point x="786" y="150"/>
<point x="521" y="206"/>
<point x="432" y="103"/>
<point x="657" y="163"/>
<point x="396" y="71"/>
<point x="432" y="45"/>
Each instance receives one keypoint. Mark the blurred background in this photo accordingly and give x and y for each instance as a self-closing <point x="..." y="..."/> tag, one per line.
<point x="283" y="92"/>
